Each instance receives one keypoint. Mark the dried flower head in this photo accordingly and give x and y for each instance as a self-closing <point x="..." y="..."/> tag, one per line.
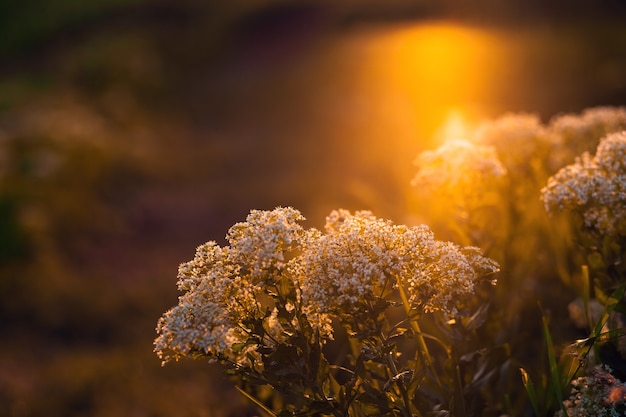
<point x="267" y="240"/>
<point x="594" y="187"/>
<point x="227" y="291"/>
<point x="361" y="257"/>
<point x="575" y="134"/>
<point x="457" y="165"/>
<point x="598" y="394"/>
<point x="516" y="137"/>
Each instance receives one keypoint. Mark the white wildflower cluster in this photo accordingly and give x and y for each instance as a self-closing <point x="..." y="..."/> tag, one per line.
<point x="600" y="395"/>
<point x="515" y="144"/>
<point x="361" y="257"/>
<point x="458" y="166"/>
<point x="574" y="134"/>
<point x="231" y="291"/>
<point x="517" y="138"/>
<point x="226" y="290"/>
<point x="594" y="187"/>
<point x="266" y="240"/>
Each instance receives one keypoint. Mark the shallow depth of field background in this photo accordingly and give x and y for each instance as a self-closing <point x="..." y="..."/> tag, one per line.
<point x="133" y="131"/>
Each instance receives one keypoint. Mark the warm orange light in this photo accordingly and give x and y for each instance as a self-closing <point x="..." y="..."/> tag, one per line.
<point x="441" y="70"/>
<point x="410" y="88"/>
<point x="454" y="128"/>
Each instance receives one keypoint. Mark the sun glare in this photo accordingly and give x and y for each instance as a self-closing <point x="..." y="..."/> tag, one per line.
<point x="443" y="72"/>
<point x="419" y="85"/>
<point x="454" y="127"/>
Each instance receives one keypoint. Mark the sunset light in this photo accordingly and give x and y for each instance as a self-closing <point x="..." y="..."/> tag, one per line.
<point x="454" y="127"/>
<point x="442" y="69"/>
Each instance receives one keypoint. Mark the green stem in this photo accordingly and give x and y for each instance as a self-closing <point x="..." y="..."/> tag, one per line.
<point x="421" y="342"/>
<point x="418" y="332"/>
<point x="403" y="392"/>
<point x="459" y="388"/>
<point x="394" y="371"/>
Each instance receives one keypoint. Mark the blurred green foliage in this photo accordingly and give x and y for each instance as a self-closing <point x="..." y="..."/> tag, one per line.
<point x="25" y="25"/>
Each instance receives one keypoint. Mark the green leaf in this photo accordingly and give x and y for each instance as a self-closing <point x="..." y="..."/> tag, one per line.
<point x="477" y="319"/>
<point x="380" y="306"/>
<point x="586" y="292"/>
<point x="613" y="301"/>
<point x="557" y="384"/>
<point x="286" y="288"/>
<point x="401" y="333"/>
<point x="530" y="390"/>
<point x="571" y="360"/>
<point x="373" y="401"/>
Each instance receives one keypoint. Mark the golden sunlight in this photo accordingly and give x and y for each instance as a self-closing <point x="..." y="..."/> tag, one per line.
<point x="419" y="85"/>
<point x="443" y="72"/>
<point x="454" y="127"/>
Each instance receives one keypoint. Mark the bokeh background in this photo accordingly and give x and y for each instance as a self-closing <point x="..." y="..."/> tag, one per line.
<point x="132" y="131"/>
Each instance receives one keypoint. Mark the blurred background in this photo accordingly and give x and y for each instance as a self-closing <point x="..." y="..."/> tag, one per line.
<point x="132" y="131"/>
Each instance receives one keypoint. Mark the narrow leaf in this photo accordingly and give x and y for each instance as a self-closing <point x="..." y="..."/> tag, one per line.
<point x="530" y="389"/>
<point x="257" y="402"/>
<point x="612" y="302"/>
<point x="586" y="293"/>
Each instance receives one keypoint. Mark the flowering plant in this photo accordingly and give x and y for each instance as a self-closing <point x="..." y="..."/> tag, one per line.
<point x="594" y="188"/>
<point x="368" y="317"/>
<point x="276" y="302"/>
<point x="579" y="234"/>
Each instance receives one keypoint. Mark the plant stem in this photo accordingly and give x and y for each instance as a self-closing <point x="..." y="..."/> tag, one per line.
<point x="423" y="348"/>
<point x="256" y="401"/>
<point x="418" y="332"/>
<point x="405" y="395"/>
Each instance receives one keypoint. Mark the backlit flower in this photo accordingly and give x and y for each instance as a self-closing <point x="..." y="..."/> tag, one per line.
<point x="594" y="187"/>
<point x="578" y="133"/>
<point x="456" y="166"/>
<point x="362" y="256"/>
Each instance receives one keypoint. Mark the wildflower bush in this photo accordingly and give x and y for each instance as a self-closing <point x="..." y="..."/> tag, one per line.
<point x="368" y="317"/>
<point x="266" y="305"/>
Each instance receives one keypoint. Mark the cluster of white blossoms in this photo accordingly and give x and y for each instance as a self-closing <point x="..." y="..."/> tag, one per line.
<point x="230" y="291"/>
<point x="594" y="187"/>
<point x="226" y="290"/>
<point x="517" y="145"/>
<point x="575" y="134"/>
<point x="517" y="139"/>
<point x="600" y="394"/>
<point x="457" y="165"/>
<point x="267" y="240"/>
<point x="361" y="257"/>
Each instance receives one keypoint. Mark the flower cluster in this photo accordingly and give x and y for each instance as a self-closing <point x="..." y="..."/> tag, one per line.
<point x="457" y="165"/>
<point x="600" y="394"/>
<point x="517" y="138"/>
<point x="574" y="134"/>
<point x="361" y="258"/>
<point x="276" y="279"/>
<point x="594" y="187"/>
<point x="266" y="240"/>
<point x="522" y="144"/>
<point x="463" y="182"/>
<point x="224" y="291"/>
